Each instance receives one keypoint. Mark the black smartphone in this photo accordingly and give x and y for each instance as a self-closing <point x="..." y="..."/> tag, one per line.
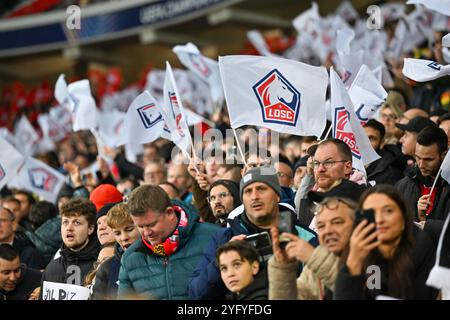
<point x="285" y="224"/>
<point x="262" y="243"/>
<point x="368" y="214"/>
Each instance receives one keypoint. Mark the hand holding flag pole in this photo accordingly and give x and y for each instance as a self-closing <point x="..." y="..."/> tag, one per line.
<point x="239" y="147"/>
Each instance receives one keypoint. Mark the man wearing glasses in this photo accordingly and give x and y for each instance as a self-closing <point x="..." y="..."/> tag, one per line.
<point x="334" y="220"/>
<point x="332" y="165"/>
<point x="223" y="197"/>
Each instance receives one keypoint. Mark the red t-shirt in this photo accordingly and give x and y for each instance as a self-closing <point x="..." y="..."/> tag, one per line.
<point x="426" y="190"/>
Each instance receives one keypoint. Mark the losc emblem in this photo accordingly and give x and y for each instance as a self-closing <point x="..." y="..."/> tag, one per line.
<point x="149" y="115"/>
<point x="343" y="130"/>
<point x="279" y="100"/>
<point x="434" y="65"/>
<point x="41" y="178"/>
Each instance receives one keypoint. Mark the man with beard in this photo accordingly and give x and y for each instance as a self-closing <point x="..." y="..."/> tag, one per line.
<point x="223" y="197"/>
<point x="389" y="168"/>
<point x="260" y="193"/>
<point x="80" y="244"/>
<point x="332" y="165"/>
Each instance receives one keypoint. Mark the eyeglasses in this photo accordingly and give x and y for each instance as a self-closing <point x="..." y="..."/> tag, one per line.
<point x="327" y="164"/>
<point x="220" y="196"/>
<point x="282" y="174"/>
<point x="388" y="117"/>
<point x="332" y="204"/>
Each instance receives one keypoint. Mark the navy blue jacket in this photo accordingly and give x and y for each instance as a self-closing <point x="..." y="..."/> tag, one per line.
<point x="205" y="282"/>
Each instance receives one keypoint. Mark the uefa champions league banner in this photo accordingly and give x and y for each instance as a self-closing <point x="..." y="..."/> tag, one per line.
<point x="283" y="95"/>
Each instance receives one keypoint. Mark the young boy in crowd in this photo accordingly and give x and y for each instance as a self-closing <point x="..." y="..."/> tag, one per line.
<point x="239" y="267"/>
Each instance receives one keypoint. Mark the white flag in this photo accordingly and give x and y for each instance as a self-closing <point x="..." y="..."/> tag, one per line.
<point x="143" y="121"/>
<point x="367" y="94"/>
<point x="173" y="113"/>
<point x="10" y="162"/>
<point x="304" y="20"/>
<point x="347" y="11"/>
<point x="26" y="136"/>
<point x="62" y="116"/>
<point x="445" y="171"/>
<point x="446" y="40"/>
<point x="37" y="177"/>
<point x="205" y="68"/>
<point x="346" y="126"/>
<point x="396" y="44"/>
<point x="81" y="104"/>
<point x="441" y="6"/>
<point x="279" y="94"/>
<point x="257" y="40"/>
<point x="111" y="127"/>
<point x="439" y="276"/>
<point x="424" y="70"/>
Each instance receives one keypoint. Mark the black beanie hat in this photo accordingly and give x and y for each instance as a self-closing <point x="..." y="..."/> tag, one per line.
<point x="232" y="187"/>
<point x="103" y="211"/>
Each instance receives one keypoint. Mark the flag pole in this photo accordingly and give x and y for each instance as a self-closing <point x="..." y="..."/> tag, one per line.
<point x="239" y="147"/>
<point x="435" y="180"/>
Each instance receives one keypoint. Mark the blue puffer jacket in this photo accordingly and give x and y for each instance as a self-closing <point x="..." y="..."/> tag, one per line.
<point x="206" y="282"/>
<point x="144" y="274"/>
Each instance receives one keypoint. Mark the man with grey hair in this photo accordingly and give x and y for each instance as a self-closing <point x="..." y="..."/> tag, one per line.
<point x="334" y="221"/>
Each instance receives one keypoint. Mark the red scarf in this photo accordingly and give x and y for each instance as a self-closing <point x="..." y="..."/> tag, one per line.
<point x="170" y="245"/>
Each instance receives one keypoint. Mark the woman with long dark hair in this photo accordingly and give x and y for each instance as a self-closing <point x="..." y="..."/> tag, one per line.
<point x="390" y="256"/>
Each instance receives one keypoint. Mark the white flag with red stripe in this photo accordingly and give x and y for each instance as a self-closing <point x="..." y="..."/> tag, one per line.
<point x="346" y="125"/>
<point x="173" y="113"/>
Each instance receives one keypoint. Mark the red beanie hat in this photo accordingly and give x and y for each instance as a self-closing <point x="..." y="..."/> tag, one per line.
<point x="103" y="194"/>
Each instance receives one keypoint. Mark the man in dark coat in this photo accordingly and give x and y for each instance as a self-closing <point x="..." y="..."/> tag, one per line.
<point x="80" y="245"/>
<point x="17" y="281"/>
<point x="389" y="168"/>
<point x="431" y="148"/>
<point x="20" y="242"/>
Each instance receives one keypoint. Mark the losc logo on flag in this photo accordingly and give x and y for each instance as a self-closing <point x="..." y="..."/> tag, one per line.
<point x="343" y="131"/>
<point x="41" y="178"/>
<point x="434" y="65"/>
<point x="200" y="64"/>
<point x="148" y="118"/>
<point x="2" y="173"/>
<point x="279" y="100"/>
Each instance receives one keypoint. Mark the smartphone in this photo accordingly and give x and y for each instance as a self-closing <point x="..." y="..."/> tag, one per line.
<point x="285" y="224"/>
<point x="262" y="243"/>
<point x="368" y="214"/>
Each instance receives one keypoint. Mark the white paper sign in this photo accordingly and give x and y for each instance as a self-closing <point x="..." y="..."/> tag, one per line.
<point x="64" y="291"/>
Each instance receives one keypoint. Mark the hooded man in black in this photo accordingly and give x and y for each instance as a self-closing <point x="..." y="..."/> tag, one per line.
<point x="80" y="245"/>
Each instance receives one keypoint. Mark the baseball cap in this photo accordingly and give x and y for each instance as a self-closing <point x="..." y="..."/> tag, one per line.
<point x="416" y="124"/>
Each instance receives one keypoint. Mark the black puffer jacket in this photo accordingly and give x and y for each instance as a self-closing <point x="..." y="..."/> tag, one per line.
<point x="410" y="187"/>
<point x="29" y="280"/>
<point x="29" y="255"/>
<point x="389" y="168"/>
<point x="72" y="267"/>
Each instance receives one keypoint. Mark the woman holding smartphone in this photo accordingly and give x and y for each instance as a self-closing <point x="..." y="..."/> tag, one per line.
<point x="391" y="257"/>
